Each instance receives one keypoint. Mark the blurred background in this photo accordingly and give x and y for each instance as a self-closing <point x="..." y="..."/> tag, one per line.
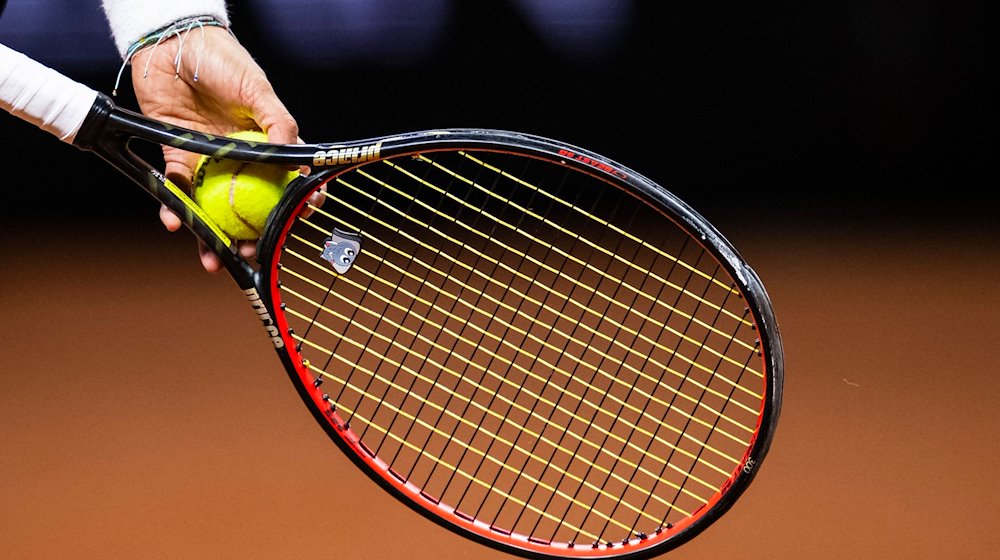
<point x="853" y="108"/>
<point x="846" y="148"/>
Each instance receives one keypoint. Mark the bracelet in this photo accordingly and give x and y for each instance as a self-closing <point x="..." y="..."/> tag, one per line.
<point x="179" y="27"/>
<point x="175" y="28"/>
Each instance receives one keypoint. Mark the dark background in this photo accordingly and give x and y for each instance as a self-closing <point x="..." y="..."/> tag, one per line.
<point x="847" y="149"/>
<point x="840" y="111"/>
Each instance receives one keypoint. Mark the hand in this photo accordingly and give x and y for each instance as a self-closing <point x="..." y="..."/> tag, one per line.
<point x="231" y="93"/>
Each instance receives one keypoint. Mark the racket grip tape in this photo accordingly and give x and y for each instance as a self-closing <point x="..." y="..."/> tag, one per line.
<point x="42" y="96"/>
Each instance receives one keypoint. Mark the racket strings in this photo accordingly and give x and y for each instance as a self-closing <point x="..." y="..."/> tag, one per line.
<point x="489" y="229"/>
<point x="596" y="246"/>
<point x="551" y="458"/>
<point x="473" y="403"/>
<point x="699" y="394"/>
<point x="486" y="333"/>
<point x="541" y="460"/>
<point x="592" y="379"/>
<point x="549" y="345"/>
<point x="505" y="419"/>
<point x="632" y="433"/>
<point x="580" y="307"/>
<point x="623" y="232"/>
<point x="409" y="311"/>
<point x="362" y="391"/>
<point x="534" y="261"/>
<point x="452" y="467"/>
<point x="527" y="385"/>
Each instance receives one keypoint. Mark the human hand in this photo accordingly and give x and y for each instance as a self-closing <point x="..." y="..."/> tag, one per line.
<point x="216" y="88"/>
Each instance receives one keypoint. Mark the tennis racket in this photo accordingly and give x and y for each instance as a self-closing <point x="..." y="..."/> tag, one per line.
<point x="524" y="341"/>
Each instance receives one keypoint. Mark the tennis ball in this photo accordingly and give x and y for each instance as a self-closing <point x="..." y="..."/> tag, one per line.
<point x="239" y="195"/>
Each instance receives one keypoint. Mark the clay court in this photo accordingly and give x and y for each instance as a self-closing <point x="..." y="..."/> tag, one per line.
<point x="144" y="415"/>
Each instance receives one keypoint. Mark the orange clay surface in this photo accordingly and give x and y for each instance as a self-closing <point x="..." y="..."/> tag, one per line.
<point x="144" y="415"/>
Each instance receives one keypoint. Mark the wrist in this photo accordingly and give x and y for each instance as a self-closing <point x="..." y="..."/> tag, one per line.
<point x="130" y="21"/>
<point x="177" y="31"/>
<point x="173" y="29"/>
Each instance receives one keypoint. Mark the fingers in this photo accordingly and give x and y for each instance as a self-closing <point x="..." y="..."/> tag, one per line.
<point x="178" y="170"/>
<point x="169" y="219"/>
<point x="270" y="113"/>
<point x="315" y="201"/>
<point x="209" y="260"/>
<point x="179" y="166"/>
<point x="215" y="88"/>
<point x="279" y="124"/>
<point x="247" y="249"/>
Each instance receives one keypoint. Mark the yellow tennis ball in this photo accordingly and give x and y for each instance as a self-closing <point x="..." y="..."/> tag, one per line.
<point x="239" y="195"/>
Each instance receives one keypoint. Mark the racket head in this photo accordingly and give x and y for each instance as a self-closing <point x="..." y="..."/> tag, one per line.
<point x="524" y="341"/>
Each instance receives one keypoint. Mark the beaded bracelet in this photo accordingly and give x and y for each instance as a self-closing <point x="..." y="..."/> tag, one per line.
<point x="179" y="28"/>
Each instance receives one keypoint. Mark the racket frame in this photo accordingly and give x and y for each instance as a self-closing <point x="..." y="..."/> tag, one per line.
<point x="109" y="129"/>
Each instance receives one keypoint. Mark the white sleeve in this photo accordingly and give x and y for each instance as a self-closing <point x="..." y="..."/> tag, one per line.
<point x="129" y="20"/>
<point x="41" y="96"/>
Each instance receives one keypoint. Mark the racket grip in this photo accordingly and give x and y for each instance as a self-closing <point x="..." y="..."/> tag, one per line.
<point x="42" y="96"/>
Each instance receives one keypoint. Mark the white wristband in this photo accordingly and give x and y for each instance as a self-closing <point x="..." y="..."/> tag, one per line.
<point x="129" y="20"/>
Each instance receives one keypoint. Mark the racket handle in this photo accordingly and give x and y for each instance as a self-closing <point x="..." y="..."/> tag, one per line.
<point x="42" y="96"/>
